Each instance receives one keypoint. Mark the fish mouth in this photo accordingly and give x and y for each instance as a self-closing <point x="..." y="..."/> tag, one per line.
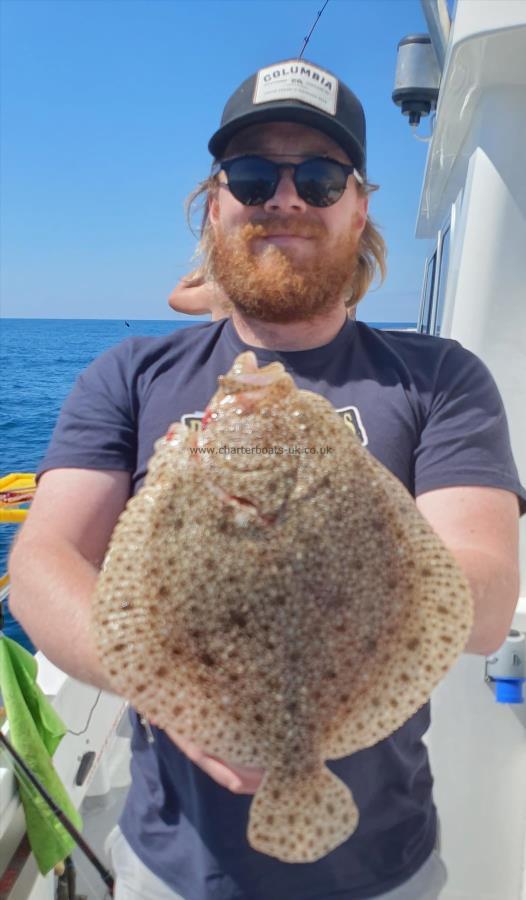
<point x="246" y="386"/>
<point x="245" y="374"/>
<point x="245" y="371"/>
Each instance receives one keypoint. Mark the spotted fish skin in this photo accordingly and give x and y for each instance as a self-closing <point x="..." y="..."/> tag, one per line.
<point x="278" y="608"/>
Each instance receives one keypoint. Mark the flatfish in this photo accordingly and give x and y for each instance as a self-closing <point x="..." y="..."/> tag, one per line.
<point x="273" y="594"/>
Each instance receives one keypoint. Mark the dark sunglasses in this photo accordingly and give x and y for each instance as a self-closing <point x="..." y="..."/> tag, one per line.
<point x="319" y="181"/>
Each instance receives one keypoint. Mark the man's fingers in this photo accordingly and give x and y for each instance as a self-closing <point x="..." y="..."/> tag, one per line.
<point x="221" y="773"/>
<point x="238" y="779"/>
<point x="241" y="779"/>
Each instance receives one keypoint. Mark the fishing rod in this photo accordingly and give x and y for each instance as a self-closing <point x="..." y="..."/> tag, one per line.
<point x="307" y="39"/>
<point x="104" y="873"/>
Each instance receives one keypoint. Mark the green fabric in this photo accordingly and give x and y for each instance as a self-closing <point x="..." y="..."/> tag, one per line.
<point x="35" y="731"/>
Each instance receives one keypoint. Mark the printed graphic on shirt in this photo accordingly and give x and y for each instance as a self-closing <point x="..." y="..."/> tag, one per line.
<point x="353" y="420"/>
<point x="193" y="420"/>
<point x="350" y="415"/>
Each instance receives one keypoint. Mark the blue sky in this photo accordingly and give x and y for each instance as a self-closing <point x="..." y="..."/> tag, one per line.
<point x="107" y="108"/>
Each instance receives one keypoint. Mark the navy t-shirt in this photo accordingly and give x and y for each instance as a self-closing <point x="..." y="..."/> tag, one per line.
<point x="426" y="408"/>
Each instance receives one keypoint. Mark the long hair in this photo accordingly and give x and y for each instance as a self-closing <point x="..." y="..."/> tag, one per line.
<point x="372" y="250"/>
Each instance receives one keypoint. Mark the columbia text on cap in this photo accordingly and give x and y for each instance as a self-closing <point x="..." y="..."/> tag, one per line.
<point x="296" y="90"/>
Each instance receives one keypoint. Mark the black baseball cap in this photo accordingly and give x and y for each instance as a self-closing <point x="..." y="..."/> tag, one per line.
<point x="296" y="90"/>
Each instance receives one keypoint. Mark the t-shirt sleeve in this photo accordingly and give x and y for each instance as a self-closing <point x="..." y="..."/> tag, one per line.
<point x="465" y="439"/>
<point x="96" y="428"/>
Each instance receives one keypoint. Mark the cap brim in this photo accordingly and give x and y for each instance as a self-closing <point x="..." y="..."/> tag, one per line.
<point x="287" y="113"/>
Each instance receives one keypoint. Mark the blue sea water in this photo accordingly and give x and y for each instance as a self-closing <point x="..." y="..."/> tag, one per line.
<point x="39" y="362"/>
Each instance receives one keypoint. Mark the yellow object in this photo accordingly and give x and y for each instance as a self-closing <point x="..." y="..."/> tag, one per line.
<point x="18" y="481"/>
<point x="15" y="489"/>
<point x="12" y="515"/>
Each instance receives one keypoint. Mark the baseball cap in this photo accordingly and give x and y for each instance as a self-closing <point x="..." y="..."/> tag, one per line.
<point x="296" y="90"/>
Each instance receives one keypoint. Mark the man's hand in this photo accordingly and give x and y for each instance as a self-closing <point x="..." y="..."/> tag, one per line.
<point x="238" y="779"/>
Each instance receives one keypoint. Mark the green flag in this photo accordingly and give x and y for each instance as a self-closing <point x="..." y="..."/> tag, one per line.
<point x="35" y="731"/>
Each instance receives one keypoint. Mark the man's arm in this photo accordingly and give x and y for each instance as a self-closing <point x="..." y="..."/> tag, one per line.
<point x="480" y="526"/>
<point x="54" y="566"/>
<point x="55" y="562"/>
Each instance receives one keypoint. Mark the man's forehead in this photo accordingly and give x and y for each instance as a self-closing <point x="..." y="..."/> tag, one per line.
<point x="285" y="137"/>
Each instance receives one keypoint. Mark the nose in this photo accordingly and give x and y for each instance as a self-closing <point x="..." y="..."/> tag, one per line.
<point x="286" y="198"/>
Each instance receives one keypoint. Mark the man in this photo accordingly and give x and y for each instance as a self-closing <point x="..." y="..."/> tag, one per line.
<point x="288" y="239"/>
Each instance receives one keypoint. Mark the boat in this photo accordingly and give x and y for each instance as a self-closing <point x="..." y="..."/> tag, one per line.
<point x="473" y="204"/>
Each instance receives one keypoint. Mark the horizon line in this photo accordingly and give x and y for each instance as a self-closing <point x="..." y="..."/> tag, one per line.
<point x="179" y="318"/>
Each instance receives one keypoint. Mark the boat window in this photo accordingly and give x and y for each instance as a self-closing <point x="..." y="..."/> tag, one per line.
<point x="442" y="281"/>
<point x="424" y="320"/>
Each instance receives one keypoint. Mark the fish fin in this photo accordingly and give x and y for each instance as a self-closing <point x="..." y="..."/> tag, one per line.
<point x="303" y="819"/>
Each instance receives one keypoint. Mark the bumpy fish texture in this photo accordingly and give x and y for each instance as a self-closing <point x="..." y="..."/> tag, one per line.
<point x="279" y="608"/>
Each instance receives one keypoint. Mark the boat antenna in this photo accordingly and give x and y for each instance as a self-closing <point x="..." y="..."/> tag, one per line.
<point x="61" y="816"/>
<point x="307" y="39"/>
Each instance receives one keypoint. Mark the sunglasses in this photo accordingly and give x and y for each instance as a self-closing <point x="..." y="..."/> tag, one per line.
<point x="319" y="181"/>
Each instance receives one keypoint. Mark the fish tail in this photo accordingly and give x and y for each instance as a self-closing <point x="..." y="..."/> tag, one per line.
<point x="301" y="820"/>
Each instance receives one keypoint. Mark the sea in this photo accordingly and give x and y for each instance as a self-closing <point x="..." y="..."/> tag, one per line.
<point x="39" y="362"/>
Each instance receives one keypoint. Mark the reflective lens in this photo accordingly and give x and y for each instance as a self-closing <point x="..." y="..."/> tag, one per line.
<point x="319" y="182"/>
<point x="251" y="179"/>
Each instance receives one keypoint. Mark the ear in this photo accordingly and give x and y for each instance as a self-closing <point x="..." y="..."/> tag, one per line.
<point x="213" y="208"/>
<point x="363" y="210"/>
<point x="361" y="213"/>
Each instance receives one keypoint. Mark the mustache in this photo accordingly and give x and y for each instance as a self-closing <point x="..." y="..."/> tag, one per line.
<point x="263" y="225"/>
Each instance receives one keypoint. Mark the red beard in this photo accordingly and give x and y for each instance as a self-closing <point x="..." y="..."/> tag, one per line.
<point x="273" y="286"/>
